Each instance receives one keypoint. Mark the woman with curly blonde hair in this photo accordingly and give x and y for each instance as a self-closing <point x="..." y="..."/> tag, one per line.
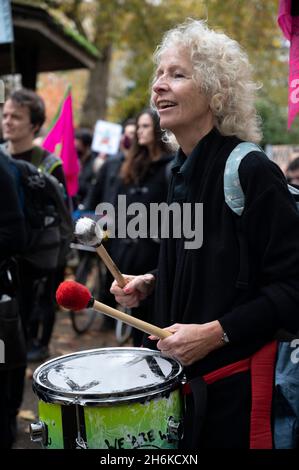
<point x="223" y="73"/>
<point x="225" y="300"/>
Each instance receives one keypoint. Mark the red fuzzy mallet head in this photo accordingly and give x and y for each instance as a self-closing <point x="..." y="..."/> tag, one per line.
<point x="72" y="295"/>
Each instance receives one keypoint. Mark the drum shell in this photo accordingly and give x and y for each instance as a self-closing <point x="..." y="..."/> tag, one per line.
<point x="121" y="426"/>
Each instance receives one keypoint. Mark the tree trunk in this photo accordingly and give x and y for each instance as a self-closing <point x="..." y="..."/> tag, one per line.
<point x="95" y="104"/>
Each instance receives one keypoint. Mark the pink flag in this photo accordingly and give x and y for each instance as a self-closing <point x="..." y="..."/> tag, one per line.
<point x="288" y="20"/>
<point x="62" y="135"/>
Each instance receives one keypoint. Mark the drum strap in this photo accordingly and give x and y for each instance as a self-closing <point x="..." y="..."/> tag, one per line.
<point x="196" y="400"/>
<point x="261" y="366"/>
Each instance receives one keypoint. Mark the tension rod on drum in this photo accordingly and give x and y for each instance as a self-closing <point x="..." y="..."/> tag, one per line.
<point x="79" y="440"/>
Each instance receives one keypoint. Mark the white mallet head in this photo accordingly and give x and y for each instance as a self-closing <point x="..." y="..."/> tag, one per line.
<point x="88" y="232"/>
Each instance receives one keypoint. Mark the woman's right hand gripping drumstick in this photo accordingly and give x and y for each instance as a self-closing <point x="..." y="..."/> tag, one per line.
<point x="136" y="290"/>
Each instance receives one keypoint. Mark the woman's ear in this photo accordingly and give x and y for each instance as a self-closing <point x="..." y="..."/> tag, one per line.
<point x="35" y="128"/>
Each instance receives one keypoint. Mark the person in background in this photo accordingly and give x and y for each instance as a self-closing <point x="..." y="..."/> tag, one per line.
<point x="99" y="161"/>
<point x="83" y="140"/>
<point x="12" y="370"/>
<point x="142" y="176"/>
<point x="23" y="116"/>
<point x="222" y="328"/>
<point x="127" y="137"/>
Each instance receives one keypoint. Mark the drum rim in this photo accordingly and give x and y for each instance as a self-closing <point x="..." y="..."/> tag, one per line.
<point x="50" y="395"/>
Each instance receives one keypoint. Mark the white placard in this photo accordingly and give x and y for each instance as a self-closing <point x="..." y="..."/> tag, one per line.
<point x="106" y="137"/>
<point x="6" y="30"/>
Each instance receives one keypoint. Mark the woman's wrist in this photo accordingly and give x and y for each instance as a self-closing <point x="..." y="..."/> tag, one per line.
<point x="218" y="336"/>
<point x="150" y="281"/>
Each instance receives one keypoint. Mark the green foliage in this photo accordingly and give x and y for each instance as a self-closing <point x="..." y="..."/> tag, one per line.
<point x="274" y="118"/>
<point x="253" y="24"/>
<point x="137" y="26"/>
<point x="148" y="21"/>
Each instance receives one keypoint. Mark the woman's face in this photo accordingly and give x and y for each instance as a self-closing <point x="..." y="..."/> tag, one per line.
<point x="145" y="130"/>
<point x="182" y="107"/>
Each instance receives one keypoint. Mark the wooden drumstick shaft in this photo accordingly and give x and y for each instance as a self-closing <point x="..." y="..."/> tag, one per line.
<point x="108" y="261"/>
<point x="135" y="322"/>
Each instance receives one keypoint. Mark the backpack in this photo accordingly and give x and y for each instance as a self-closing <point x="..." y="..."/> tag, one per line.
<point x="49" y="226"/>
<point x="13" y="352"/>
<point x="286" y="396"/>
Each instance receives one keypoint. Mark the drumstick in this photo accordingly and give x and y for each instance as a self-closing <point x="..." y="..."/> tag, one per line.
<point x="75" y="296"/>
<point x="88" y="232"/>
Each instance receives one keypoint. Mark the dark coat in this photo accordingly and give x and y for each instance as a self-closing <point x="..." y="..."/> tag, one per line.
<point x="199" y="286"/>
<point x="12" y="242"/>
<point x="12" y="224"/>
<point x="105" y="186"/>
<point x="86" y="176"/>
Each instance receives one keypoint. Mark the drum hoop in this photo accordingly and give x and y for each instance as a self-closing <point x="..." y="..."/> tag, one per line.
<point x="52" y="396"/>
<point x="95" y="401"/>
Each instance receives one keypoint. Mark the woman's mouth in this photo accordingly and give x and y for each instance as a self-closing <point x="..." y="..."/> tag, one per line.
<point x="162" y="105"/>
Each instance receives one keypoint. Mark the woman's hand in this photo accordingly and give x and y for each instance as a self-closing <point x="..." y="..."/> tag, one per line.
<point x="192" y="342"/>
<point x="136" y="289"/>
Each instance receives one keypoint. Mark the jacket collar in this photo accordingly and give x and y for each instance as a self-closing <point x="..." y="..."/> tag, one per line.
<point x="184" y="165"/>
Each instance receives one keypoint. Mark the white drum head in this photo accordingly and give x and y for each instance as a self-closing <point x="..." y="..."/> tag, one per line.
<point x="105" y="376"/>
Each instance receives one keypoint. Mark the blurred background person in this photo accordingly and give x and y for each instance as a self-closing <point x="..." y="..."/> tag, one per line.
<point x="12" y="242"/>
<point x="23" y="116"/>
<point x="142" y="176"/>
<point x="83" y="140"/>
<point x="99" y="160"/>
<point x="127" y="137"/>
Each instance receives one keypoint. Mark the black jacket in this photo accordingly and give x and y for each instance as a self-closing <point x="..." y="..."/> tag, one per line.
<point x="12" y="224"/>
<point x="86" y="177"/>
<point x="12" y="242"/>
<point x="198" y="286"/>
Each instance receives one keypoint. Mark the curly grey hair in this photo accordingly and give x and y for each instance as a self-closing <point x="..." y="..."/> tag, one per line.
<point x="223" y="72"/>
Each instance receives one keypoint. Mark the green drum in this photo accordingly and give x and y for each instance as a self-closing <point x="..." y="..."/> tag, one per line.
<point x="110" y="398"/>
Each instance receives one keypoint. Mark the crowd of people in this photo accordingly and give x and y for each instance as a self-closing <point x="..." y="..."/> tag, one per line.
<point x="203" y="98"/>
<point x="140" y="171"/>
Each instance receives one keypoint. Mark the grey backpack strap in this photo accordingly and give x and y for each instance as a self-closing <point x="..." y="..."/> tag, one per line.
<point x="49" y="163"/>
<point x="233" y="192"/>
<point x="4" y="149"/>
<point x="295" y="192"/>
<point x="235" y="199"/>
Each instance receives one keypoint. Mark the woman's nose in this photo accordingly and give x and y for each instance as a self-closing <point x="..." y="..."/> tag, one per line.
<point x="160" y="84"/>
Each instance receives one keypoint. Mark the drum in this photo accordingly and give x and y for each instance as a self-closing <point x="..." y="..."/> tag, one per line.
<point x="110" y="398"/>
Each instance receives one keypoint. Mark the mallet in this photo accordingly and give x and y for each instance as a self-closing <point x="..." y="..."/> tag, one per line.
<point x="89" y="233"/>
<point x="75" y="296"/>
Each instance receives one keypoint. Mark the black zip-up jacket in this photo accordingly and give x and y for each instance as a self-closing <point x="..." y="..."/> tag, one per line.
<point x="199" y="286"/>
<point x="12" y="224"/>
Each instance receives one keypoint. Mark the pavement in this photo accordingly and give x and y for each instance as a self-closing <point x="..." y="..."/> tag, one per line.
<point x="64" y="341"/>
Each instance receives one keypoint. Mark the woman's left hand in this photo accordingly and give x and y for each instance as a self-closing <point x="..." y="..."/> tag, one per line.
<point x="192" y="342"/>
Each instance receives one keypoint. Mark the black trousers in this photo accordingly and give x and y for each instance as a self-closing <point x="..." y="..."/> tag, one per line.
<point x="37" y="303"/>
